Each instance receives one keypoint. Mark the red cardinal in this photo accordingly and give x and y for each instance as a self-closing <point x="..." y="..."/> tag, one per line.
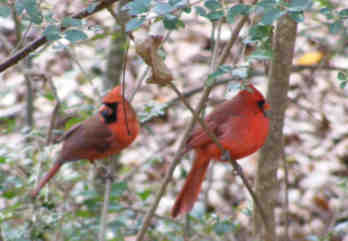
<point x="241" y="126"/>
<point x="108" y="132"/>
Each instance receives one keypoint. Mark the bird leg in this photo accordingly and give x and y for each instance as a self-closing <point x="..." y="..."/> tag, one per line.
<point x="109" y="176"/>
<point x="226" y="156"/>
<point x="237" y="169"/>
<point x="104" y="174"/>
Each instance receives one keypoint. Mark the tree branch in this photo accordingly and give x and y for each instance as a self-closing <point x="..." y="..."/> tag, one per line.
<point x="12" y="60"/>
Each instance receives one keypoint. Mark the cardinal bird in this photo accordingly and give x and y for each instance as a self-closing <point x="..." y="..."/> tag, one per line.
<point x="108" y="132"/>
<point x="240" y="125"/>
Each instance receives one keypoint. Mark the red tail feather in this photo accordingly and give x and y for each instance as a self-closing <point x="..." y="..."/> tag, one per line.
<point x="189" y="193"/>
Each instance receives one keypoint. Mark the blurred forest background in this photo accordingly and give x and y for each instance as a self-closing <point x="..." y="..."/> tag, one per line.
<point x="58" y="58"/>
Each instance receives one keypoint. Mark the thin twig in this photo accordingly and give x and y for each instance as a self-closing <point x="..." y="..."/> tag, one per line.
<point x="256" y="200"/>
<point x="234" y="36"/>
<point x="216" y="27"/>
<point x="170" y="172"/>
<point x="54" y="111"/>
<point x="142" y="211"/>
<point x="85" y="73"/>
<point x="118" y="20"/>
<point x="29" y="112"/>
<point x="104" y="215"/>
<point x="138" y="84"/>
<point x="196" y="116"/>
<point x="162" y="189"/>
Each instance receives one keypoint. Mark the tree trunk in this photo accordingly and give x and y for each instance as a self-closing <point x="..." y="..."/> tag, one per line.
<point x="267" y="185"/>
<point x="117" y="49"/>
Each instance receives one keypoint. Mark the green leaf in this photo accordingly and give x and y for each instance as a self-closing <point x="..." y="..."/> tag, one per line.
<point x="225" y="226"/>
<point x="267" y="4"/>
<point x="84" y="213"/>
<point x="172" y="22"/>
<point x="178" y="3"/>
<point x="260" y="32"/>
<point x="19" y="6"/>
<point x="297" y="16"/>
<point x="90" y="196"/>
<point x="271" y="15"/>
<point x="327" y="12"/>
<point x="261" y="54"/>
<point x="201" y="11"/>
<point x="134" y="23"/>
<point x="52" y="33"/>
<point x="325" y="3"/>
<point x="223" y="69"/>
<point x="5" y="11"/>
<point x="336" y="26"/>
<point x="32" y="9"/>
<point x="299" y="5"/>
<point x="152" y="110"/>
<point x="137" y="7"/>
<point x="214" y="16"/>
<point x="145" y="194"/>
<point x="2" y="159"/>
<point x="343" y="13"/>
<point x="117" y="189"/>
<point x="10" y="194"/>
<point x="71" y="22"/>
<point x="187" y="10"/>
<point x="49" y="96"/>
<point x="49" y="18"/>
<point x="342" y="76"/>
<point x="74" y="35"/>
<point x="72" y="122"/>
<point x="237" y="10"/>
<point x="163" y="8"/>
<point x="212" y="5"/>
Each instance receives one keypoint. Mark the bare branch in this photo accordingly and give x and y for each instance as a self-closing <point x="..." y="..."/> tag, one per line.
<point x="54" y="111"/>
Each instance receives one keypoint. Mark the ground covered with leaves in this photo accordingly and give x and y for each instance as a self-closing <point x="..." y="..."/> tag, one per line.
<point x="315" y="144"/>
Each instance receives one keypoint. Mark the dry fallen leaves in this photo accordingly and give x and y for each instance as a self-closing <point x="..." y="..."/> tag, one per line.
<point x="147" y="50"/>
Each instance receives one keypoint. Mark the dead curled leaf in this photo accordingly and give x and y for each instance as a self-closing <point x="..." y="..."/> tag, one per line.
<point x="147" y="50"/>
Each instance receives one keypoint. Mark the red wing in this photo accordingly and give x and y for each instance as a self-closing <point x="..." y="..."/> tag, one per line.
<point x="214" y="121"/>
<point x="199" y="137"/>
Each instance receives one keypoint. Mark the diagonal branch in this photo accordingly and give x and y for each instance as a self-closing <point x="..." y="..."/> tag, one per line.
<point x="176" y="160"/>
<point x="12" y="60"/>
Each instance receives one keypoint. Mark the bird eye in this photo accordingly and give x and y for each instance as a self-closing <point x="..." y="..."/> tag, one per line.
<point x="109" y="112"/>
<point x="261" y="103"/>
<point x="105" y="111"/>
